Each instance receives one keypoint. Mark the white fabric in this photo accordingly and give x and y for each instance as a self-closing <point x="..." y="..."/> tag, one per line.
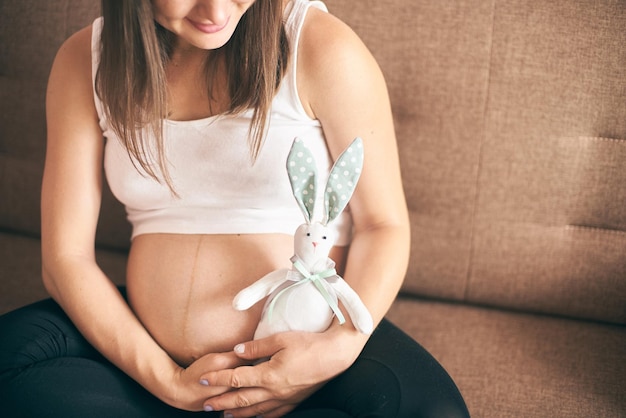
<point x="221" y="191"/>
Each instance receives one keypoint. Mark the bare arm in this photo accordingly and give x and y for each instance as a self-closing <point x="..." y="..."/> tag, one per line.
<point x="346" y="91"/>
<point x="70" y="203"/>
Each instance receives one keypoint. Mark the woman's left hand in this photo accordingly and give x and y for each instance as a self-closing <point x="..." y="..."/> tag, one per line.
<point x="299" y="364"/>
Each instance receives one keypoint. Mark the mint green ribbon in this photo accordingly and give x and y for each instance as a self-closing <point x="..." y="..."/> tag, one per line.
<point x="316" y="279"/>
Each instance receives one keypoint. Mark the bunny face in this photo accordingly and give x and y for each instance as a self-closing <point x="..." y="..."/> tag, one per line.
<point x="313" y="242"/>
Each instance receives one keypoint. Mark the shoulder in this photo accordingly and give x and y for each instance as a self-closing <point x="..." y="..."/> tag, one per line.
<point x="74" y="56"/>
<point x="73" y="63"/>
<point x="325" y="37"/>
<point x="70" y="84"/>
<point x="332" y="59"/>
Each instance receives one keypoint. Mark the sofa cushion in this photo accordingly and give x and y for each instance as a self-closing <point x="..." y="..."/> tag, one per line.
<point x="511" y="365"/>
<point x="25" y="62"/>
<point x="20" y="270"/>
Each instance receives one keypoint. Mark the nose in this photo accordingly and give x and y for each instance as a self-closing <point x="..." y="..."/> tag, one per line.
<point x="314" y="244"/>
<point x="215" y="12"/>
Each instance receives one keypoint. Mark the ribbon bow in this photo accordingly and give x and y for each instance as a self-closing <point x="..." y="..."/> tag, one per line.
<point x="316" y="279"/>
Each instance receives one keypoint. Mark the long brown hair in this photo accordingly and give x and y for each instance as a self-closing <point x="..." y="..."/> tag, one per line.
<point x="131" y="78"/>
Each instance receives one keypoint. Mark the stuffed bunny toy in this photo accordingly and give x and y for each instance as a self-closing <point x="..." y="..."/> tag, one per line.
<point x="305" y="297"/>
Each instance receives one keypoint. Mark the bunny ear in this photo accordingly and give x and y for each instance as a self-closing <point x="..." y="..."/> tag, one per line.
<point x="342" y="179"/>
<point x="302" y="170"/>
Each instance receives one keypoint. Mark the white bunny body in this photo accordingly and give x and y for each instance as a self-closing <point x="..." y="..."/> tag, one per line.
<point x="305" y="297"/>
<point x="300" y="308"/>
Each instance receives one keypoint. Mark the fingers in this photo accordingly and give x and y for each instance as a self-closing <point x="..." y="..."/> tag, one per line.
<point x="194" y="388"/>
<point x="222" y="361"/>
<point x="258" y="349"/>
<point x="269" y="388"/>
<point x="261" y="375"/>
<point x="248" y="403"/>
<point x="210" y="362"/>
<point x="242" y="377"/>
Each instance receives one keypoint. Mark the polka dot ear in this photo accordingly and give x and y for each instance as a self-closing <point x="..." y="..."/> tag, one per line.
<point x="301" y="169"/>
<point x="343" y="179"/>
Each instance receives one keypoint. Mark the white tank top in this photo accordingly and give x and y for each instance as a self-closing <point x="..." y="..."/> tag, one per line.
<point x="220" y="190"/>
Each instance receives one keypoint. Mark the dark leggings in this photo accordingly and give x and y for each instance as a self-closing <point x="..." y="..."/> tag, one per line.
<point x="47" y="369"/>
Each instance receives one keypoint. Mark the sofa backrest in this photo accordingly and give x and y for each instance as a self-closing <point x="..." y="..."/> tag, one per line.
<point x="511" y="118"/>
<point x="511" y="122"/>
<point x="30" y="35"/>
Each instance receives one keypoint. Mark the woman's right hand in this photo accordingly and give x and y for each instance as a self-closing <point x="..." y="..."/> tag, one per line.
<point x="189" y="391"/>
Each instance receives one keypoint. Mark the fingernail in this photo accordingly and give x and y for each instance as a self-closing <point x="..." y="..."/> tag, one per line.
<point x="207" y="408"/>
<point x="204" y="382"/>
<point x="228" y="415"/>
<point x="240" y="348"/>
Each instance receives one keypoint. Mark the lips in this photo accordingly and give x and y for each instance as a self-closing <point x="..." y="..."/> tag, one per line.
<point x="208" y="27"/>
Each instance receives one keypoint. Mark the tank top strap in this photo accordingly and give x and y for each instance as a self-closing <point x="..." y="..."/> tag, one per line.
<point x="96" y="30"/>
<point x="295" y="12"/>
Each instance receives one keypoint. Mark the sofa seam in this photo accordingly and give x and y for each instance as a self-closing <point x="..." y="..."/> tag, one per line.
<point x="477" y="192"/>
<point x="594" y="229"/>
<point x="603" y="139"/>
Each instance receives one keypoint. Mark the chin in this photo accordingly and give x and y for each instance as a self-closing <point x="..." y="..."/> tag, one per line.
<point x="214" y="44"/>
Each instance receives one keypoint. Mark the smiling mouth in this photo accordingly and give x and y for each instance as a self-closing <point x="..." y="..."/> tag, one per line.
<point x="209" y="28"/>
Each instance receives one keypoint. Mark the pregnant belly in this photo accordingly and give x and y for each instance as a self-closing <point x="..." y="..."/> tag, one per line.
<point x="181" y="287"/>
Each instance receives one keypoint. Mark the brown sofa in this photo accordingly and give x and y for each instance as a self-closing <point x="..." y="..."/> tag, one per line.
<point x="511" y="120"/>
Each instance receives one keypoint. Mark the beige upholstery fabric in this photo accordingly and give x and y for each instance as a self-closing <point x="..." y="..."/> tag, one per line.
<point x="511" y="118"/>
<point x="511" y="122"/>
<point x="511" y="365"/>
